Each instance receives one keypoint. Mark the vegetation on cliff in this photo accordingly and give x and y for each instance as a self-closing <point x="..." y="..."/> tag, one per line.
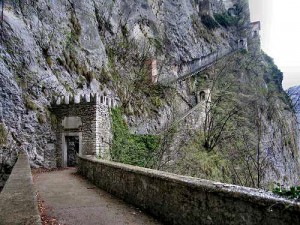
<point x="134" y="149"/>
<point x="239" y="140"/>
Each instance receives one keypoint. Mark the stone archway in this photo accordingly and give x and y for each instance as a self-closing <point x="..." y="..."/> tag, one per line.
<point x="202" y="96"/>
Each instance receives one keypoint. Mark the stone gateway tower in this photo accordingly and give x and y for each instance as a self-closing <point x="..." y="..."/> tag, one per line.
<point x="83" y="126"/>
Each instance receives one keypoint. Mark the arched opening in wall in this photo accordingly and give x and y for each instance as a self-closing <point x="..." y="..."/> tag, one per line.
<point x="255" y="33"/>
<point x="231" y="12"/>
<point x="202" y="96"/>
<point x="241" y="43"/>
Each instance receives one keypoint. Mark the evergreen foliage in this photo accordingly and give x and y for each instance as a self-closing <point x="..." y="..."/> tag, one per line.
<point x="3" y="134"/>
<point x="292" y="192"/>
<point x="226" y="20"/>
<point x="209" y="22"/>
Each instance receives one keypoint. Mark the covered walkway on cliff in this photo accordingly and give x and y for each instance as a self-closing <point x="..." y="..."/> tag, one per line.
<point x="66" y="198"/>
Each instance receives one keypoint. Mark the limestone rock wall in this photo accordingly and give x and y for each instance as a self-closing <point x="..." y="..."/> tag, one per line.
<point x="58" y="47"/>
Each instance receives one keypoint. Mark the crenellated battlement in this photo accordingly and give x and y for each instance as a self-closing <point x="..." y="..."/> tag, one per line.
<point x="92" y="98"/>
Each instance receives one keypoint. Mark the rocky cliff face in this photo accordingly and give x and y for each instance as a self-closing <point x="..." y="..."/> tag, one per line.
<point x="294" y="93"/>
<point x="59" y="47"/>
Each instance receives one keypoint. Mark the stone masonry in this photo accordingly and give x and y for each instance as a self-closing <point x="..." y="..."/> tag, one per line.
<point x="191" y="201"/>
<point x="18" y="202"/>
<point x="86" y="117"/>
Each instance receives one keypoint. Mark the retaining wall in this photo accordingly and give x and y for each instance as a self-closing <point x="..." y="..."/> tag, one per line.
<point x="18" y="203"/>
<point x="185" y="200"/>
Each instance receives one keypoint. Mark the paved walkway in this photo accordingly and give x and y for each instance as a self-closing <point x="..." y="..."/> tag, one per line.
<point x="74" y="201"/>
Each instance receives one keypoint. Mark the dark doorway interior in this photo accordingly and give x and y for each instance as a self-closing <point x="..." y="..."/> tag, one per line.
<point x="72" y="150"/>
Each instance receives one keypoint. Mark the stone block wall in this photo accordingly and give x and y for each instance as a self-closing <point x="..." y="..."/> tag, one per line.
<point x="205" y="7"/>
<point x="210" y="7"/>
<point x="18" y="203"/>
<point x="93" y="125"/>
<point x="185" y="200"/>
<point x="87" y="113"/>
<point x="103" y="131"/>
<point x="204" y="61"/>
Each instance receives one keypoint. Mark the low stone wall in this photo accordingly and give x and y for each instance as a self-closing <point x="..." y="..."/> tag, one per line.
<point x="18" y="204"/>
<point x="185" y="200"/>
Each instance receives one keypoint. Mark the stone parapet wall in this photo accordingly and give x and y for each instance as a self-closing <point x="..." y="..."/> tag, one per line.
<point x="18" y="203"/>
<point x="176" y="199"/>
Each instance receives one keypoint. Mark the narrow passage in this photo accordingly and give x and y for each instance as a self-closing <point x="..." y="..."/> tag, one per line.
<point x="71" y="200"/>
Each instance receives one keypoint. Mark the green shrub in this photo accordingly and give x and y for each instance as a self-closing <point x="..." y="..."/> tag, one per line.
<point x="104" y="76"/>
<point x="89" y="76"/>
<point x="80" y="82"/>
<point x="53" y="119"/>
<point x="225" y="20"/>
<point x="209" y="22"/>
<point x="134" y="149"/>
<point x="292" y="192"/>
<point x="60" y="61"/>
<point x="41" y="118"/>
<point x="30" y="104"/>
<point x="76" y="27"/>
<point x="156" y="101"/>
<point x="157" y="43"/>
<point x="3" y="134"/>
<point x="197" y="162"/>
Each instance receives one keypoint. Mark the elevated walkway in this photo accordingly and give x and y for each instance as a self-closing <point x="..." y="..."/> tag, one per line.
<point x="206" y="63"/>
<point x="71" y="200"/>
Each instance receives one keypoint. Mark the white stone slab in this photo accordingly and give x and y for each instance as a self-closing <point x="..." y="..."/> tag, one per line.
<point x="71" y="122"/>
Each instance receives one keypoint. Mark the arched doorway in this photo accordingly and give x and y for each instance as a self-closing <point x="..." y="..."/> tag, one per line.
<point x="202" y="96"/>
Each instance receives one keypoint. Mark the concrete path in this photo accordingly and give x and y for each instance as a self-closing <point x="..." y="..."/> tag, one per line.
<point x="74" y="201"/>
